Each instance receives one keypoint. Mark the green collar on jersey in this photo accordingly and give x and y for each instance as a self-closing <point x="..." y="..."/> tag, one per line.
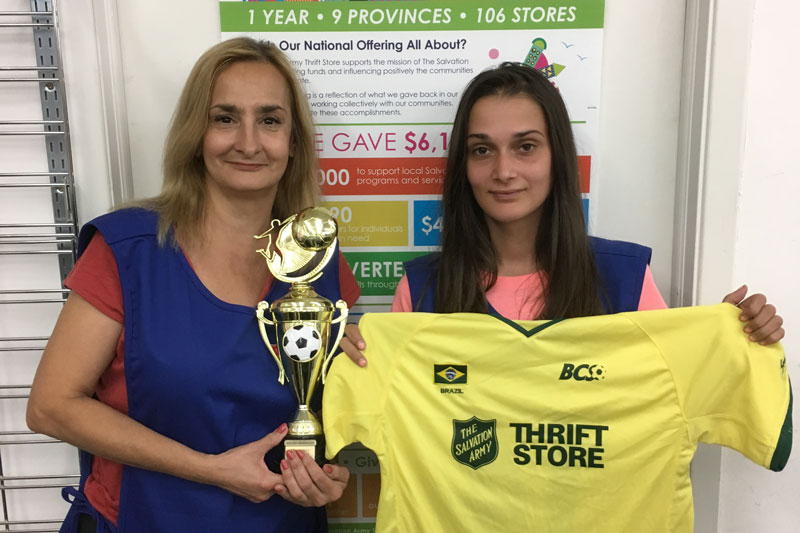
<point x="526" y="332"/>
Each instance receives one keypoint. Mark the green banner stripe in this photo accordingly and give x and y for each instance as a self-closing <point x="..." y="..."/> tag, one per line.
<point x="377" y="273"/>
<point x="438" y="15"/>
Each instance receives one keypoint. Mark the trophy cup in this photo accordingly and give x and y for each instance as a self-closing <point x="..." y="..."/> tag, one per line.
<point x="302" y="319"/>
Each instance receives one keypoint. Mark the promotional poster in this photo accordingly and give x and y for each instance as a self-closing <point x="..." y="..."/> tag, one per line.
<point x="384" y="80"/>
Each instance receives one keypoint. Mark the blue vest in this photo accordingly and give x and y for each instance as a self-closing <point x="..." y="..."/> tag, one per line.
<point x="197" y="372"/>
<point x="620" y="265"/>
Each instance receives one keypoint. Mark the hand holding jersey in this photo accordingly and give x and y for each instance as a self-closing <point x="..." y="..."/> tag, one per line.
<point x="764" y="325"/>
<point x="552" y="420"/>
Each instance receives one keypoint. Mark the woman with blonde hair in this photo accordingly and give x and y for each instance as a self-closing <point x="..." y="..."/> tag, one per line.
<point x="155" y="367"/>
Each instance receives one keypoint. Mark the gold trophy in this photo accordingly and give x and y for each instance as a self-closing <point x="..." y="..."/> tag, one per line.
<point x="302" y="319"/>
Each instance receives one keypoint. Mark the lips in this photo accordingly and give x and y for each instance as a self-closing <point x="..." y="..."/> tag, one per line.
<point x="240" y="165"/>
<point x="506" y="195"/>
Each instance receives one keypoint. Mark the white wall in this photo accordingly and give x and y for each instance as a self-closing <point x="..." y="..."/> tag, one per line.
<point x="160" y="43"/>
<point x="765" y="246"/>
<point x="634" y="177"/>
<point x="84" y="105"/>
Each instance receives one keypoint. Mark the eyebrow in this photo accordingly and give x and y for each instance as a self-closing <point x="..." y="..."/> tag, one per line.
<point x="483" y="136"/>
<point x="230" y="108"/>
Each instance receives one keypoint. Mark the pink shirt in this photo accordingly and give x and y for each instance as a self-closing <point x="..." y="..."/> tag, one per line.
<point x="522" y="297"/>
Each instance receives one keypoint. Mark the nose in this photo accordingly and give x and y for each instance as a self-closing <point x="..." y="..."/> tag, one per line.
<point x="247" y="140"/>
<point x="505" y="166"/>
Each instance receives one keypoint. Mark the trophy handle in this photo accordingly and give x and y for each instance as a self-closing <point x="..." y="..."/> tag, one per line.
<point x="262" y="323"/>
<point x="342" y="307"/>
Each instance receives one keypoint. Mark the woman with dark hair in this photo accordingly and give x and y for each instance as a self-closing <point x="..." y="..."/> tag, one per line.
<point x="513" y="238"/>
<point x="156" y="367"/>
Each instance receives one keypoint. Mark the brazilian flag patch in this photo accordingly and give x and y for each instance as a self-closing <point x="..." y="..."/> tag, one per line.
<point x="450" y="374"/>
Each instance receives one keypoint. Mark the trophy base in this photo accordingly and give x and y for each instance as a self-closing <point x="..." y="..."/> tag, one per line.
<point x="314" y="447"/>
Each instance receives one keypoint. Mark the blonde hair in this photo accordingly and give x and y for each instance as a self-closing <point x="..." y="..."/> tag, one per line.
<point x="182" y="202"/>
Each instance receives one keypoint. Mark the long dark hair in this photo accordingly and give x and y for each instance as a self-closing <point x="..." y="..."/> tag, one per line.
<point x="562" y="246"/>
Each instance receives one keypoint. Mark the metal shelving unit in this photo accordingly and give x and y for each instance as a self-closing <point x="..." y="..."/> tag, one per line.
<point x="53" y="237"/>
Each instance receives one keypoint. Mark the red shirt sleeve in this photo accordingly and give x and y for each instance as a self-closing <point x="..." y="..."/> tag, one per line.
<point x="348" y="286"/>
<point x="96" y="279"/>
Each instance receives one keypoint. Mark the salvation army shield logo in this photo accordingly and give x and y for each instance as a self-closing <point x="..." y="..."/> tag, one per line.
<point x="474" y="442"/>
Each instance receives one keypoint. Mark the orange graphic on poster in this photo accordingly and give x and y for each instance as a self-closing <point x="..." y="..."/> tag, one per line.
<point x="347" y="505"/>
<point x="584" y="171"/>
<point x="370" y="493"/>
<point x="381" y="175"/>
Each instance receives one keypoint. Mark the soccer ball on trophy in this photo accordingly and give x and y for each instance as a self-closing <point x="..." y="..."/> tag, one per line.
<point x="301" y="342"/>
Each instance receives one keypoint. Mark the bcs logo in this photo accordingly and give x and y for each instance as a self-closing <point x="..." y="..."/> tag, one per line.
<point x="583" y="372"/>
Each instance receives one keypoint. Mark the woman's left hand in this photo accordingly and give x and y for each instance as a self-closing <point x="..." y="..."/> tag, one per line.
<point x="306" y="484"/>
<point x="764" y="326"/>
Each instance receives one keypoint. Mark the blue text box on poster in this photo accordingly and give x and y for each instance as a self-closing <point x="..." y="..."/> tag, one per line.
<point x="585" y="202"/>
<point x="427" y="222"/>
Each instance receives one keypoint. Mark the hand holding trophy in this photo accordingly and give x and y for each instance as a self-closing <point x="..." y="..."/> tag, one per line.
<point x="304" y="244"/>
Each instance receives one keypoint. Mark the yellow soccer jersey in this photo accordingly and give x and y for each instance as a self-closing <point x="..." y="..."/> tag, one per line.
<point x="588" y="424"/>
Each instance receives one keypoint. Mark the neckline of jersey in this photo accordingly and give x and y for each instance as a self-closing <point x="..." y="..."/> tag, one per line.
<point x="527" y="332"/>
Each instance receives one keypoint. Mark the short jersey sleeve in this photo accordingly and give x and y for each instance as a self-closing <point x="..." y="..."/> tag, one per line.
<point x="353" y="400"/>
<point x="731" y="391"/>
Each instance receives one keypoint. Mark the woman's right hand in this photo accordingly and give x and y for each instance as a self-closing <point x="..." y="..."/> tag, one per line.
<point x="352" y="344"/>
<point x="242" y="470"/>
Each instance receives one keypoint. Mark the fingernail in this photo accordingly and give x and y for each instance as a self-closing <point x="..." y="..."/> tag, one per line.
<point x="289" y="454"/>
<point x="748" y="330"/>
<point x="283" y="428"/>
<point x="284" y="464"/>
<point x="743" y="318"/>
<point x="362" y="345"/>
<point x="362" y="363"/>
<point x="762" y="343"/>
<point x="300" y="454"/>
<point x="329" y="469"/>
<point x="752" y="339"/>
